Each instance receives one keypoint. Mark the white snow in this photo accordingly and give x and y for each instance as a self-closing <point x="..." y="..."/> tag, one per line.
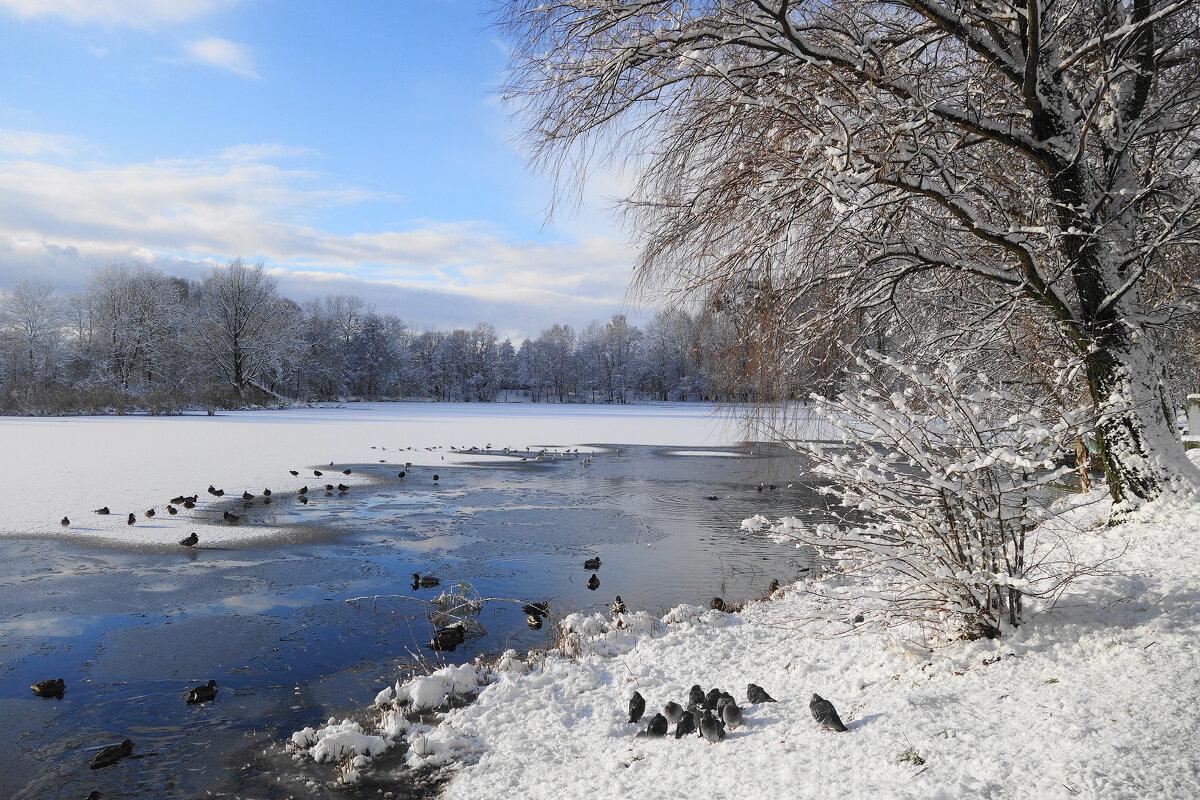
<point x="68" y="466"/>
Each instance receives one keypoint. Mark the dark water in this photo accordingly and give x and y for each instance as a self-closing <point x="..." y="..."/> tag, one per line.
<point x="130" y="631"/>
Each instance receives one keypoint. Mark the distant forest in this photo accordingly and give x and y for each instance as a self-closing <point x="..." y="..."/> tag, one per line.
<point x="139" y="340"/>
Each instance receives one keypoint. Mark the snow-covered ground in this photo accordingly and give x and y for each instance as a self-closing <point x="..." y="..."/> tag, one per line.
<point x="1095" y="697"/>
<point x="68" y="466"/>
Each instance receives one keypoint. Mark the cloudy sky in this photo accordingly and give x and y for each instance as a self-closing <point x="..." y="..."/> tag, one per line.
<point x="352" y="147"/>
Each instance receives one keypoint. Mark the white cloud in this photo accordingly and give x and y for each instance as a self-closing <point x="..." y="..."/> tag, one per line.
<point x="33" y="143"/>
<point x="262" y="152"/>
<point x="129" y="13"/>
<point x="214" y="51"/>
<point x="61" y="221"/>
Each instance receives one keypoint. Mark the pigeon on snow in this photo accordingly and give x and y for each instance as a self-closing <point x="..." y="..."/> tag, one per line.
<point x="825" y="714"/>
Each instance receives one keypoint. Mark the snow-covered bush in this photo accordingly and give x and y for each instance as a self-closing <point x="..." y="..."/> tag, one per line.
<point x="945" y="482"/>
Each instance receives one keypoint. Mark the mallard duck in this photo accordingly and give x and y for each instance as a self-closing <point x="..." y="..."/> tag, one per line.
<point x="52" y="688"/>
<point x="329" y="487"/>
<point x="428" y="580"/>
<point x="343" y="487"/>
<point x="302" y="490"/>
<point x="232" y="519"/>
<point x="112" y="754"/>
<point x="449" y="637"/>
<point x="592" y="563"/>
<point x="593" y="582"/>
<point x="537" y="609"/>
<point x="189" y="504"/>
<point x="534" y="622"/>
<point x="66" y="523"/>
<point x="132" y="518"/>
<point x="202" y="694"/>
<point x="717" y="604"/>
<point x="191" y="540"/>
<point x="345" y="472"/>
<point x="247" y="496"/>
<point x="618" y="606"/>
<point x="178" y="500"/>
<point x="172" y="510"/>
<point x="102" y="511"/>
<point x="149" y="513"/>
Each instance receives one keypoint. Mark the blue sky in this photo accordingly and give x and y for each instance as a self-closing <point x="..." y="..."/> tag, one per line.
<point x="351" y="146"/>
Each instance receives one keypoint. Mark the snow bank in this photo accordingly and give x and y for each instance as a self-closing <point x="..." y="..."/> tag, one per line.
<point x="1092" y="698"/>
<point x="70" y="466"/>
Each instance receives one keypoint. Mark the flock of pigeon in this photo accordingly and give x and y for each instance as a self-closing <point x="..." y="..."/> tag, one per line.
<point x="709" y="715"/>
<point x="107" y="756"/>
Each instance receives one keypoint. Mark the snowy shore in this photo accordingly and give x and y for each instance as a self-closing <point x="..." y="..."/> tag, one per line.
<point x="1093" y="697"/>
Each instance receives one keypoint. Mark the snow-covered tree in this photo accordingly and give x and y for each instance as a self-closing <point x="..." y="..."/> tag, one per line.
<point x="30" y="330"/>
<point x="1025" y="156"/>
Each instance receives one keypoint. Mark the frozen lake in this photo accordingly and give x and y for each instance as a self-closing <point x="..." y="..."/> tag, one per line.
<point x="131" y="623"/>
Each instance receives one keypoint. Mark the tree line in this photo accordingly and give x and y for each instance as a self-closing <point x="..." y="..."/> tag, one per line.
<point x="138" y="339"/>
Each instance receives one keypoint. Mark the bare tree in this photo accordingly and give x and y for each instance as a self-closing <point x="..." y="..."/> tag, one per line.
<point x="30" y="321"/>
<point x="864" y="151"/>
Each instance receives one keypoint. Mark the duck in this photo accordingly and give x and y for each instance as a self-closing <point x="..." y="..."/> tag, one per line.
<point x="102" y="511"/>
<point x="537" y="609"/>
<point x="401" y="474"/>
<point x="132" y="518"/>
<point x="437" y="477"/>
<point x="247" y="496"/>
<point x="51" y="688"/>
<point x="112" y="754"/>
<point x="534" y="622"/>
<point x="717" y="604"/>
<point x="294" y="473"/>
<point x="593" y="582"/>
<point x="774" y="587"/>
<point x="303" y="500"/>
<point x="345" y="472"/>
<point x="427" y="580"/>
<point x="191" y="540"/>
<point x="189" y="503"/>
<point x="318" y="473"/>
<point x="149" y="513"/>
<point x="266" y="492"/>
<point x="343" y="487"/>
<point x="172" y="510"/>
<point x="329" y="487"/>
<point x="215" y="491"/>
<point x="592" y="563"/>
<point x="65" y="522"/>
<point x="202" y="694"/>
<point x="449" y="637"/>
<point x="178" y="500"/>
<point x="618" y="606"/>
<point x="302" y="490"/>
<point x="219" y="492"/>
<point x="232" y="519"/>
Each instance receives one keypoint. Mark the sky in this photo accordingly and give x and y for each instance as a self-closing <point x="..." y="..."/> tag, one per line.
<point x="352" y="147"/>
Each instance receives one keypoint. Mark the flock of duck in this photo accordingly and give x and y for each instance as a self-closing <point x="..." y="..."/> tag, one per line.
<point x="709" y="714"/>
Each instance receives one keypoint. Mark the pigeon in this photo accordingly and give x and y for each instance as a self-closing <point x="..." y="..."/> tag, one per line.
<point x="132" y="518"/>
<point x="592" y="563"/>
<point x="102" y="511"/>
<point x="593" y="583"/>
<point x="232" y="519"/>
<point x="657" y="727"/>
<point x="686" y="725"/>
<point x="710" y="699"/>
<point x="755" y="694"/>
<point x="637" y="707"/>
<point x="294" y="472"/>
<point x="112" y="754"/>
<point x="731" y="715"/>
<point x="191" y="540"/>
<point x="695" y="695"/>
<point x="825" y="714"/>
<point x="202" y="694"/>
<point x="673" y="712"/>
<point x="52" y="688"/>
<point x="66" y="523"/>
<point x="710" y="729"/>
<point x="172" y="510"/>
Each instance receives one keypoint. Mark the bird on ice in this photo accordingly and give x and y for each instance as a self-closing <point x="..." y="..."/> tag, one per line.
<point x="637" y="707"/>
<point x="825" y="714"/>
<point x="656" y="727"/>
<point x="755" y="694"/>
<point x="673" y="712"/>
<point x="191" y="540"/>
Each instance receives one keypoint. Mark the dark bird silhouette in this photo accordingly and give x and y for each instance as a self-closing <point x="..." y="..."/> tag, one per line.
<point x="219" y="492"/>
<point x="592" y="563"/>
<point x="318" y="473"/>
<point x="53" y="688"/>
<point x="343" y="487"/>
<point x="449" y="637"/>
<point x="710" y="728"/>
<point x="232" y="519"/>
<point x="773" y="587"/>
<point x="302" y="490"/>
<point x="189" y="504"/>
<point x="178" y="500"/>
<point x="400" y="474"/>
<point x="202" y="694"/>
<point x="294" y="472"/>
<point x="825" y="714"/>
<point x="66" y="523"/>
<point x="618" y="606"/>
<point x="266" y="492"/>
<point x="191" y="540"/>
<point x="407" y="464"/>
<point x="172" y="510"/>
<point x="329" y="487"/>
<point x="537" y="609"/>
<point x="437" y="477"/>
<point x="731" y="715"/>
<point x="149" y="513"/>
<point x="345" y="472"/>
<point x="717" y="604"/>
<point x="103" y="510"/>
<point x="695" y="695"/>
<point x="673" y="712"/>
<point x="428" y="580"/>
<point x="710" y="699"/>
<point x="656" y="727"/>
<point x="303" y="499"/>
<point x="213" y="490"/>
<point x="686" y="725"/>
<point x="593" y="582"/>
<point x="247" y="496"/>
<point x="130" y="519"/>
<point x="112" y="754"/>
<point x="637" y="707"/>
<point x="755" y="694"/>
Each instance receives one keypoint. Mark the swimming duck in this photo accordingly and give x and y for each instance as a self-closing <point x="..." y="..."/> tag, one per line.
<point x="52" y="688"/>
<point x="191" y="540"/>
<point x="436" y="477"/>
<point x="537" y="609"/>
<point x="202" y="694"/>
<point x="449" y="637"/>
<point x="112" y="754"/>
<point x="593" y="582"/>
<point x="428" y="580"/>
<point x="534" y="622"/>
<point x="592" y="563"/>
